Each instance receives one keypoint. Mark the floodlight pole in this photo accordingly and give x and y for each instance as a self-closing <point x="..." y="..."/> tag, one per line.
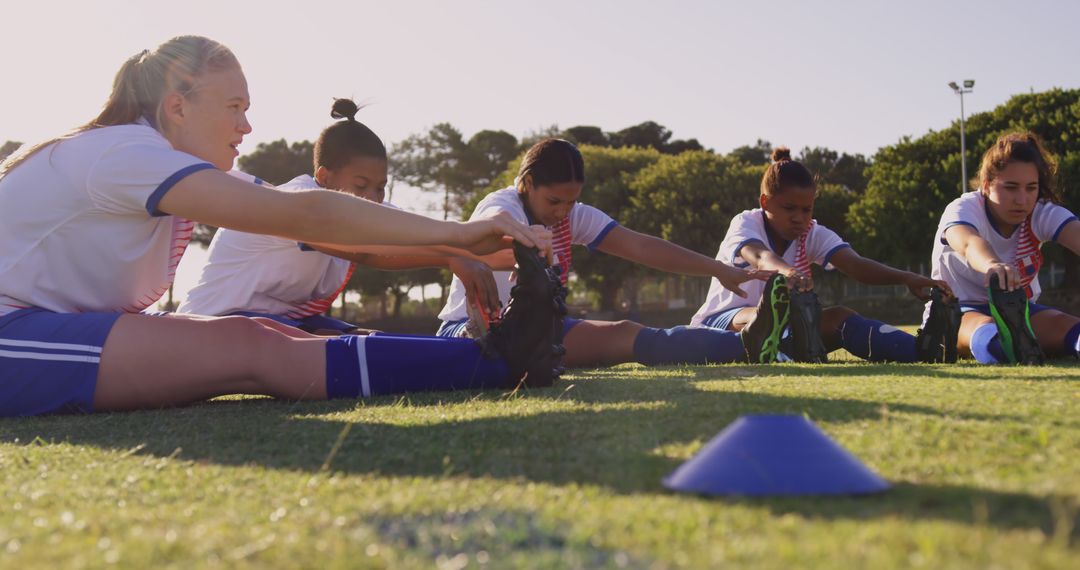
<point x="968" y="84"/>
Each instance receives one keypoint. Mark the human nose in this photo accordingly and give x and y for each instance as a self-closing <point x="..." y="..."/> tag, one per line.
<point x="245" y="125"/>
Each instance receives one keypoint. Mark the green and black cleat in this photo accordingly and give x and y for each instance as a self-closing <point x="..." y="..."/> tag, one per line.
<point x="1010" y="311"/>
<point x="806" y="328"/>
<point x="936" y="340"/>
<point x="761" y="336"/>
<point x="529" y="331"/>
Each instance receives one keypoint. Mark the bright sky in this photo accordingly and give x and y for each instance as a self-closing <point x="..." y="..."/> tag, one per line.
<point x="850" y="75"/>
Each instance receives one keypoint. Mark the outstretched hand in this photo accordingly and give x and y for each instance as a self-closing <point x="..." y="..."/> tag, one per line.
<point x="919" y="286"/>
<point x="799" y="281"/>
<point x="1008" y="276"/>
<point x="732" y="277"/>
<point x="488" y="235"/>
<point x="479" y="283"/>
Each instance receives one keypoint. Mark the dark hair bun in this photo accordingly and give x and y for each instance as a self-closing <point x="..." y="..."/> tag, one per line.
<point x="344" y="109"/>
<point x="781" y="153"/>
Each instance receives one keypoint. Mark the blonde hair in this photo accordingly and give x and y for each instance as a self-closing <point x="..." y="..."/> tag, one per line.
<point x="143" y="81"/>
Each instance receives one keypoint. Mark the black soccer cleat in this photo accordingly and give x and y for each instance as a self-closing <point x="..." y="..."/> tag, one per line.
<point x="761" y="336"/>
<point x="1009" y="310"/>
<point x="529" y="332"/>
<point x="805" y="328"/>
<point x="936" y="340"/>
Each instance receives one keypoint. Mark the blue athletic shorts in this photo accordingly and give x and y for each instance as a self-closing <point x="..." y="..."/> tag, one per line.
<point x="49" y="361"/>
<point x="984" y="308"/>
<point x="307" y="324"/>
<point x="453" y="329"/>
<point x="722" y="320"/>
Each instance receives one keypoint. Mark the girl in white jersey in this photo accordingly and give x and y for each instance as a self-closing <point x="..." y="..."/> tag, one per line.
<point x="783" y="236"/>
<point x="549" y="185"/>
<point x="294" y="283"/>
<point x="92" y="226"/>
<point x="987" y="248"/>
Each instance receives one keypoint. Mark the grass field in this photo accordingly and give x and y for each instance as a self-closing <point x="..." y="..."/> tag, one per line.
<point x="985" y="463"/>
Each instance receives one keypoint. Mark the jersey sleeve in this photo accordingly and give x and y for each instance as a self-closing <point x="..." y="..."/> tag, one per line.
<point x="822" y="244"/>
<point x="1049" y="219"/>
<point x="962" y="211"/>
<point x="135" y="176"/>
<point x="500" y="201"/>
<point x="744" y="229"/>
<point x="589" y="226"/>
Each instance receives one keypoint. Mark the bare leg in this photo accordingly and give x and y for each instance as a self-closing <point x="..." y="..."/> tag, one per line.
<point x="742" y="318"/>
<point x="1050" y="327"/>
<point x="153" y="362"/>
<point x="600" y="343"/>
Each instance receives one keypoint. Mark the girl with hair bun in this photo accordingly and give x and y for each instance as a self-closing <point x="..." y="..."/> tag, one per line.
<point x="987" y="248"/>
<point x="782" y="236"/>
<point x="547" y="191"/>
<point x="295" y="283"/>
<point x="94" y="224"/>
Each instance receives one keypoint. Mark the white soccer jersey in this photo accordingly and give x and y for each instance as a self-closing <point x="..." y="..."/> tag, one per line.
<point x="79" y="226"/>
<point x="268" y="274"/>
<point x="1021" y="248"/>
<point x="817" y="246"/>
<point x="585" y="226"/>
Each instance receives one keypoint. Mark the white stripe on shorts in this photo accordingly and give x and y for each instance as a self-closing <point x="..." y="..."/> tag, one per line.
<point x="51" y="345"/>
<point x="361" y="354"/>
<point x="46" y="356"/>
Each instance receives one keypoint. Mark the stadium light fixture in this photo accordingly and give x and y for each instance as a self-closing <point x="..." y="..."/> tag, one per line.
<point x="969" y="84"/>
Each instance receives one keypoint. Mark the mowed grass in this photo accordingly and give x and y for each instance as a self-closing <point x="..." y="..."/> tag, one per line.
<point x="985" y="463"/>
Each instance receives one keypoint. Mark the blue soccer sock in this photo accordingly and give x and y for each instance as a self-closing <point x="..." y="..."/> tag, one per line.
<point x="1072" y="341"/>
<point x="687" y="345"/>
<point x="363" y="366"/>
<point x="986" y="346"/>
<point x="876" y="341"/>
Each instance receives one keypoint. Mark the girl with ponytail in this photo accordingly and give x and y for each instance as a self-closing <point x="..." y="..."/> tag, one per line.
<point x="782" y="236"/>
<point x="548" y="191"/>
<point x="94" y="224"/>
<point x="279" y="279"/>
<point x="987" y="248"/>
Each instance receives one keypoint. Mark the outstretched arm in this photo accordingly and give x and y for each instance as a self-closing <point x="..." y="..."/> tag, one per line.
<point x="871" y="272"/>
<point x="760" y="257"/>
<point x="663" y="255"/>
<point x="1070" y="236"/>
<point x="473" y="271"/>
<point x="966" y="242"/>
<point x="317" y="217"/>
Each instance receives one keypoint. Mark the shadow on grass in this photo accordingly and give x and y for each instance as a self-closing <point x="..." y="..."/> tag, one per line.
<point x="612" y="444"/>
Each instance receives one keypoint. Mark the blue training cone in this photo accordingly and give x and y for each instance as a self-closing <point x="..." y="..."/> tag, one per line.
<point x="764" y="455"/>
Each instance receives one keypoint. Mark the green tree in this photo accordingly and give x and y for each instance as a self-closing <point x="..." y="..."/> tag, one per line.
<point x="758" y="153"/>
<point x="911" y="182"/>
<point x="832" y="167"/>
<point x="374" y="283"/>
<point x="651" y="134"/>
<point x="442" y="160"/>
<point x="278" y="162"/>
<point x="586" y="134"/>
<point x="608" y="172"/>
<point x="690" y="198"/>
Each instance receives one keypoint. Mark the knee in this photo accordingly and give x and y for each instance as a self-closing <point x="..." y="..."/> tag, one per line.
<point x="249" y="337"/>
